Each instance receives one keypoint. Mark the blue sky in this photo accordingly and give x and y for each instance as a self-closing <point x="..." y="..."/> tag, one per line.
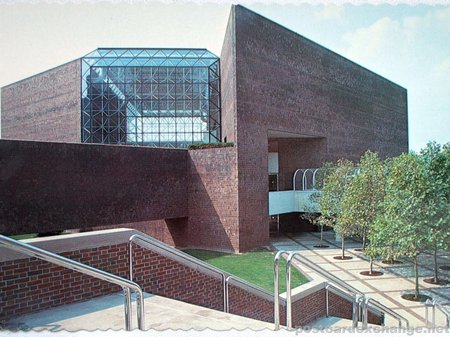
<point x="408" y="44"/>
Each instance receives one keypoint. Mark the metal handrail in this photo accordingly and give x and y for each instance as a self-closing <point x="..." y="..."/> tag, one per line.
<point x="348" y="290"/>
<point x="359" y="299"/>
<point x="330" y="277"/>
<point x="62" y="261"/>
<point x="293" y="179"/>
<point x="235" y="279"/>
<point x="440" y="307"/>
<point x="355" y="298"/>
<point x="149" y="243"/>
<point x="374" y="303"/>
<point x="313" y="171"/>
<point x="367" y="301"/>
<point x="152" y="244"/>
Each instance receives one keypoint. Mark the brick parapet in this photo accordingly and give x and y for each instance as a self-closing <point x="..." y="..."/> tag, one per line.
<point x="29" y="285"/>
<point x="44" y="107"/>
<point x="55" y="186"/>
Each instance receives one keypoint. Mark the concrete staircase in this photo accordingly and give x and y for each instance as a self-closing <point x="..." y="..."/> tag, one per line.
<point x="107" y="312"/>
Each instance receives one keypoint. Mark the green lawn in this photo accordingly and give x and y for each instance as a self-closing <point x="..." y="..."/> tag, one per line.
<point x="254" y="267"/>
<point x="24" y="236"/>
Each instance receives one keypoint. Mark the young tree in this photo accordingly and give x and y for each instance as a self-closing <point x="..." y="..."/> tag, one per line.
<point x="335" y="184"/>
<point x="437" y="166"/>
<point x="403" y="228"/>
<point x="363" y="200"/>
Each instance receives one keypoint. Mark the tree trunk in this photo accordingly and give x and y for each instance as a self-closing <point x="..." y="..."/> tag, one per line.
<point x="343" y="246"/>
<point x="364" y="239"/>
<point x="436" y="275"/>
<point x="371" y="266"/>
<point x="321" y="233"/>
<point x="416" y="269"/>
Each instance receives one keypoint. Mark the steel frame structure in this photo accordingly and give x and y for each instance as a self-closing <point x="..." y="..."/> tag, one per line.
<point x="152" y="97"/>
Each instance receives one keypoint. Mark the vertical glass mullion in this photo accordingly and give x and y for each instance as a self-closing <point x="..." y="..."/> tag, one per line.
<point x="158" y="81"/>
<point x="192" y="105"/>
<point x="208" y="125"/>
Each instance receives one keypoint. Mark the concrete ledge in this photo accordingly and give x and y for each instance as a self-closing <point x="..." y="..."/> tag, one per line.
<point x="72" y="242"/>
<point x="305" y="289"/>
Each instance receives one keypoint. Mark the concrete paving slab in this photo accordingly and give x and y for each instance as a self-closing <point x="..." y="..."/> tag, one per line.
<point x="107" y="312"/>
<point x="389" y="284"/>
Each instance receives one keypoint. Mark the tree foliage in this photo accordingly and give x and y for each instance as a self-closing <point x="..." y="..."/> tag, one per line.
<point x="363" y="200"/>
<point x="335" y="183"/>
<point x="402" y="204"/>
<point x="403" y="228"/>
<point x="437" y="168"/>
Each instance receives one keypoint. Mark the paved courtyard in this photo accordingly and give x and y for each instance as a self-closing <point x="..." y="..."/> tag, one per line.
<point x="386" y="288"/>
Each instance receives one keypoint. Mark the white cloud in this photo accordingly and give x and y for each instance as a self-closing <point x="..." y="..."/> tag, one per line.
<point x="329" y="12"/>
<point x="413" y="51"/>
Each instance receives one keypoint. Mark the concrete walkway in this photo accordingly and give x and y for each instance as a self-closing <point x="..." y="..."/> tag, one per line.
<point x="386" y="288"/>
<point x="107" y="312"/>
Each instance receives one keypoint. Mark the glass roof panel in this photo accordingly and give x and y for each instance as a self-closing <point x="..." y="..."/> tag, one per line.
<point x="158" y="57"/>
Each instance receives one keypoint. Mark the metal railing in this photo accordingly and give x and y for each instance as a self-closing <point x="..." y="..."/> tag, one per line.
<point x="308" y="178"/>
<point x="59" y="260"/>
<point x="364" y="302"/>
<point x="356" y="300"/>
<point x="233" y="279"/>
<point x="375" y="304"/>
<point x="435" y="304"/>
<point x="347" y="289"/>
<point x="359" y="300"/>
<point x="159" y="247"/>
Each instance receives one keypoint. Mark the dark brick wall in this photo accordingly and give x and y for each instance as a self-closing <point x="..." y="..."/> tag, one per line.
<point x="228" y="82"/>
<point x="213" y="200"/>
<point x="287" y="83"/>
<point x="56" y="186"/>
<point x="170" y="231"/>
<point x="29" y="285"/>
<point x="183" y="198"/>
<point x="309" y="308"/>
<point x="341" y="307"/>
<point x="44" y="107"/>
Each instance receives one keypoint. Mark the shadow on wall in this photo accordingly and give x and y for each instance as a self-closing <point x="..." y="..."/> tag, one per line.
<point x="57" y="186"/>
<point x="212" y="200"/>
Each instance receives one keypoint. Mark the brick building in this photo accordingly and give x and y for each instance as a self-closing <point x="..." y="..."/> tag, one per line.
<point x="272" y="93"/>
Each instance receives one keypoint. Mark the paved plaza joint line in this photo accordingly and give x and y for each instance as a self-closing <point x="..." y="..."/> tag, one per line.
<point x="387" y="288"/>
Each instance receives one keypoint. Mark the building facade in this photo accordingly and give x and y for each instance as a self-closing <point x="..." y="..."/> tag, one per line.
<point x="273" y="93"/>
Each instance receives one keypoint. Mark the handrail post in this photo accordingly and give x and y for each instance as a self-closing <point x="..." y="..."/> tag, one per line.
<point x="225" y="294"/>
<point x="428" y="303"/>
<point x="288" y="290"/>
<point x="276" y="289"/>
<point x="314" y="179"/>
<point x="293" y="179"/>
<point x="288" y="294"/>
<point x="327" y="301"/>
<point x="433" y="314"/>
<point x="127" y="307"/>
<point x="140" y="309"/>
<point x="357" y="300"/>
<point x="304" y="183"/>
<point x="130" y="258"/>
<point x="365" y="310"/>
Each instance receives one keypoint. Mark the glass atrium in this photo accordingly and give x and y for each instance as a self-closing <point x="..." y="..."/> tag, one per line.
<point x="152" y="97"/>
